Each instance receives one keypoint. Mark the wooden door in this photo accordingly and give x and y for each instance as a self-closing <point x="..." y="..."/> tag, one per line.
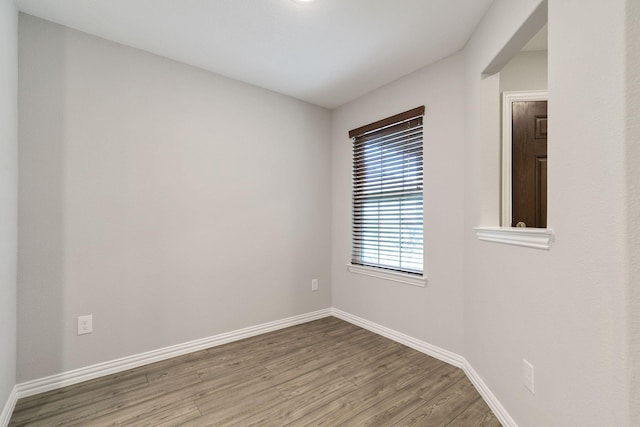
<point x="529" y="164"/>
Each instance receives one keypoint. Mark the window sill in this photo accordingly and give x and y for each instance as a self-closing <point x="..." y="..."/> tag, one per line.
<point x="388" y="275"/>
<point x="537" y="238"/>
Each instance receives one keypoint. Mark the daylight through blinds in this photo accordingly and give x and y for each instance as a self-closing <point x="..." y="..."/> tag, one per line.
<point x="387" y="193"/>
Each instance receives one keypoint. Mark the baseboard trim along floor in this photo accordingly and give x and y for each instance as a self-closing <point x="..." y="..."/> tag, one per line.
<point x="438" y="353"/>
<point x="5" y="416"/>
<point x="111" y="367"/>
<point x="114" y="366"/>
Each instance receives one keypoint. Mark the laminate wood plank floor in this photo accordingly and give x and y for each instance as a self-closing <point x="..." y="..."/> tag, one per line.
<point x="323" y="373"/>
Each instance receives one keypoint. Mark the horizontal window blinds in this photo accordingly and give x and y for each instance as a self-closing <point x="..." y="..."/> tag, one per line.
<point x="387" y="229"/>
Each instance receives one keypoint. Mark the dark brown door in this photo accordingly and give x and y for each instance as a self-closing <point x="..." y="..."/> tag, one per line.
<point x="529" y="164"/>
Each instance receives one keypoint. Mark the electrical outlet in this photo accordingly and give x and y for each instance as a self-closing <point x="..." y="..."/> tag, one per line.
<point x="527" y="376"/>
<point x="85" y="324"/>
<point x="314" y="285"/>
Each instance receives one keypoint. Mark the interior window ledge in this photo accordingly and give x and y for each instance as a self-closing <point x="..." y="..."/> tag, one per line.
<point x="408" y="279"/>
<point x="537" y="238"/>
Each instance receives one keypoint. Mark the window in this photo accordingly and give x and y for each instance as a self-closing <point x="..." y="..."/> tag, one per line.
<point x="387" y="194"/>
<point x="518" y="72"/>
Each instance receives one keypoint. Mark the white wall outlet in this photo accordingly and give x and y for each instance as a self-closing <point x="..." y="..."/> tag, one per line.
<point x="527" y="376"/>
<point x="314" y="285"/>
<point x="85" y="324"/>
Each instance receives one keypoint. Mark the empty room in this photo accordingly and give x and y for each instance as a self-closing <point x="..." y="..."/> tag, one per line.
<point x="320" y="212"/>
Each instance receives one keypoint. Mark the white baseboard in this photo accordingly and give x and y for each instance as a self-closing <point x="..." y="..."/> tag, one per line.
<point x="438" y="353"/>
<point x="5" y="416"/>
<point x="423" y="347"/>
<point x="111" y="367"/>
<point x="493" y="402"/>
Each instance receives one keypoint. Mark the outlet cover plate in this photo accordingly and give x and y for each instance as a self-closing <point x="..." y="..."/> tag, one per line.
<point x="85" y="324"/>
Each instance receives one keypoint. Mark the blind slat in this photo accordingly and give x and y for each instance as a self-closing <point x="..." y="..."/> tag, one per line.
<point x="387" y="216"/>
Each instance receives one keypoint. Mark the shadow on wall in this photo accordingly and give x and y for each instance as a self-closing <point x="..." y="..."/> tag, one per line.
<point x="41" y="210"/>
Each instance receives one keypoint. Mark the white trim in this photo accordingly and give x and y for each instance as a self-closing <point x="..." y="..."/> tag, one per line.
<point x="409" y="279"/>
<point x="439" y="353"/>
<point x="508" y="98"/>
<point x="499" y="411"/>
<point x="423" y="347"/>
<point x="538" y="238"/>
<point x="5" y="416"/>
<point x="73" y="377"/>
<point x="106" y="368"/>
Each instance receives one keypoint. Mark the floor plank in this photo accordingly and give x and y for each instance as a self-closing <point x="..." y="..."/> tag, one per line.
<point x="443" y="408"/>
<point x="322" y="373"/>
<point x="477" y="414"/>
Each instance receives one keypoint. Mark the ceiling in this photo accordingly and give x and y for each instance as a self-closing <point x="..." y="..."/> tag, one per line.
<point x="326" y="52"/>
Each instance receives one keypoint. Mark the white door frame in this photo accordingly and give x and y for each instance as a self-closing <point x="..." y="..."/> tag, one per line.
<point x="508" y="98"/>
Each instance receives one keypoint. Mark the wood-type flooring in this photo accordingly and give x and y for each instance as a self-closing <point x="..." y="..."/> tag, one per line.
<point x="323" y="373"/>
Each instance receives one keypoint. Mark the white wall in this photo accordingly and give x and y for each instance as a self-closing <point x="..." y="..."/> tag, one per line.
<point x="432" y="314"/>
<point x="526" y="71"/>
<point x="563" y="310"/>
<point x="169" y="202"/>
<point x="8" y="194"/>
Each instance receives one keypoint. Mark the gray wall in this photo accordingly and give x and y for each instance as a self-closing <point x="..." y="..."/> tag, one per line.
<point x="564" y="310"/>
<point x="8" y="194"/>
<point x="632" y="85"/>
<point x="435" y="313"/>
<point x="526" y="71"/>
<point x="169" y="202"/>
